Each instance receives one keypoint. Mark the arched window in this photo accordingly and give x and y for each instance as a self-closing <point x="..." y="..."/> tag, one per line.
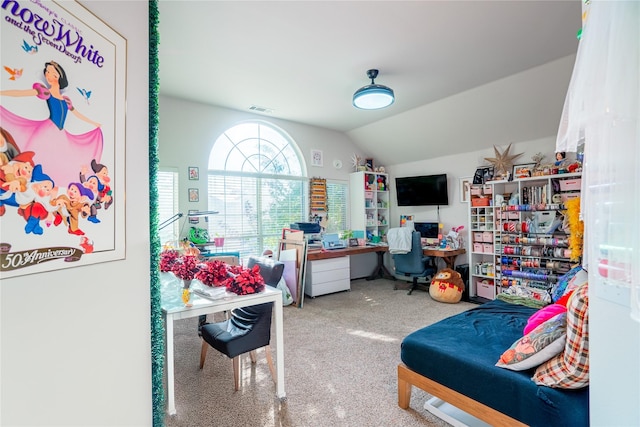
<point x="257" y="182"/>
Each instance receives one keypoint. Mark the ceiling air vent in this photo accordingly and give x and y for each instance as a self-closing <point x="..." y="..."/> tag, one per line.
<point x="258" y="109"/>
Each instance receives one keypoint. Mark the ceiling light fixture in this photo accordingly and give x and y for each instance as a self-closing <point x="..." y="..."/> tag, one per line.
<point x="373" y="96"/>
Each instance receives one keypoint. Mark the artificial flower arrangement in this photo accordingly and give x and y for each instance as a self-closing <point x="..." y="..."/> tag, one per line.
<point x="185" y="267"/>
<point x="167" y="259"/>
<point x="244" y="281"/>
<point x="213" y="273"/>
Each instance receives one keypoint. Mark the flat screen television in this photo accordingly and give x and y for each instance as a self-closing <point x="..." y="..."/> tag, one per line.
<point x="426" y="190"/>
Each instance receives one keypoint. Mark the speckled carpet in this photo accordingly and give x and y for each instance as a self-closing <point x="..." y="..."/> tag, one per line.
<point x="341" y="353"/>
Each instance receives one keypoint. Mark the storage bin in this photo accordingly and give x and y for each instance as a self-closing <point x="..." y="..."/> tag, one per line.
<point x="484" y="289"/>
<point x="368" y="194"/>
<point x="487" y="189"/>
<point x="475" y="191"/>
<point x="566" y="196"/>
<point x="570" y="184"/>
<point x="480" y="201"/>
<point x="513" y="215"/>
<point x="487" y="237"/>
<point x="477" y="237"/>
<point x="477" y="247"/>
<point x="487" y="248"/>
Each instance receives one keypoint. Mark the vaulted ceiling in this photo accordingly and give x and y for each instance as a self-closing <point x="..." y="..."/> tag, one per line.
<point x="466" y="74"/>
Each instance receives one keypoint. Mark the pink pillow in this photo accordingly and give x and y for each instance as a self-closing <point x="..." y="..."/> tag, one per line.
<point x="542" y="315"/>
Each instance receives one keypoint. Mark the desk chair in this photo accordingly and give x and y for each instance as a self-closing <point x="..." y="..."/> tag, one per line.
<point x="248" y="328"/>
<point x="414" y="264"/>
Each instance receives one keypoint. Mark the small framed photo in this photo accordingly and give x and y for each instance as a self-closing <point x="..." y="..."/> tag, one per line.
<point x="353" y="242"/>
<point x="316" y="158"/>
<point x="194" y="195"/>
<point x="524" y="170"/>
<point x="368" y="163"/>
<point x="483" y="174"/>
<point x="194" y="175"/>
<point x="465" y="188"/>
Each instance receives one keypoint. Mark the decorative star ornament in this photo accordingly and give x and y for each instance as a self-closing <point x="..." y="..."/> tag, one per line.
<point x="503" y="162"/>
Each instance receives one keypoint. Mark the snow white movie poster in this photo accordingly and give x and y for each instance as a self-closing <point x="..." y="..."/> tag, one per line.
<point x="62" y="138"/>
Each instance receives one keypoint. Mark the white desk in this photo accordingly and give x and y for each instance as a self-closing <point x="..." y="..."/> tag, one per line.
<point x="174" y="309"/>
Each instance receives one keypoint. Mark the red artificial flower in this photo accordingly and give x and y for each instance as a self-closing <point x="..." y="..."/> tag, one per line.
<point x="245" y="281"/>
<point x="167" y="259"/>
<point x="212" y="273"/>
<point x="185" y="267"/>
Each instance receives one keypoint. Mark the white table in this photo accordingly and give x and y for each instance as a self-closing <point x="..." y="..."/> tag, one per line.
<point x="174" y="309"/>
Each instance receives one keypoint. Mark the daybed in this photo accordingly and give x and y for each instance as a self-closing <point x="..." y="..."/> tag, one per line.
<point x="454" y="360"/>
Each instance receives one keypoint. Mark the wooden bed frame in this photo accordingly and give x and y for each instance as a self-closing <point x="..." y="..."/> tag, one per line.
<point x="408" y="378"/>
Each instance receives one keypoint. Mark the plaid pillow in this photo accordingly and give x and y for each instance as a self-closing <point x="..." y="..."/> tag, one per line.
<point x="570" y="369"/>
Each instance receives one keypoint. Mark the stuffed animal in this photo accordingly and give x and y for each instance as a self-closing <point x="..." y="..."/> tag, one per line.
<point x="447" y="286"/>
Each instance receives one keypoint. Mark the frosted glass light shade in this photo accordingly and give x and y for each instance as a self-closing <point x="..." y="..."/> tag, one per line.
<point x="373" y="97"/>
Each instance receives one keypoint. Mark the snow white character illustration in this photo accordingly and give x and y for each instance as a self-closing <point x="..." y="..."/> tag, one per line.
<point x="60" y="153"/>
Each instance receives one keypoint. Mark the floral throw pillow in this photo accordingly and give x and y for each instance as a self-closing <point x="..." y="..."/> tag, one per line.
<point x="541" y="344"/>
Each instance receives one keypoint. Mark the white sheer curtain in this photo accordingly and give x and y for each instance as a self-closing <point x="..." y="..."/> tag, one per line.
<point x="602" y="109"/>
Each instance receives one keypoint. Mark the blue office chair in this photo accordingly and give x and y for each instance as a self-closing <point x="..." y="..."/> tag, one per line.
<point x="414" y="265"/>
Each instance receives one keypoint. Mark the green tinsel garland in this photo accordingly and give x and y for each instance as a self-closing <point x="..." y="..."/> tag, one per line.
<point x="157" y="328"/>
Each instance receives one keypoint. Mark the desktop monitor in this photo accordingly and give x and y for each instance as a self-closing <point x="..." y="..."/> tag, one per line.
<point x="428" y="231"/>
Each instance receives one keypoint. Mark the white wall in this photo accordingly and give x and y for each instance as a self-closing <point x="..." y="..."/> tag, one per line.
<point x="188" y="130"/>
<point x="456" y="167"/>
<point x="75" y="344"/>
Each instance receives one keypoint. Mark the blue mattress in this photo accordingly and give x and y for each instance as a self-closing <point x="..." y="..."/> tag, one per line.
<point x="460" y="353"/>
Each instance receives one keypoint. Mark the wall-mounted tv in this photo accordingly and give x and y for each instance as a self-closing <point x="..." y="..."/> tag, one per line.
<point x="426" y="190"/>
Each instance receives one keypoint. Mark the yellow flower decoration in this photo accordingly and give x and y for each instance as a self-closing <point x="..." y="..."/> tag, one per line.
<point x="576" y="228"/>
<point x="186" y="296"/>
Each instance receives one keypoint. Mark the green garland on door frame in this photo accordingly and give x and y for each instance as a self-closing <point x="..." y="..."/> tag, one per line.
<point x="157" y="328"/>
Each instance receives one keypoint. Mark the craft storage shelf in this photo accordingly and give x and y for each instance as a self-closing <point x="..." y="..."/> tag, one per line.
<point x="523" y="222"/>
<point x="483" y="243"/>
<point x="369" y="202"/>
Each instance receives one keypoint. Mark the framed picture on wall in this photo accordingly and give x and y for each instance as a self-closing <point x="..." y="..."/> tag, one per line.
<point x="316" y="158"/>
<point x="194" y="195"/>
<point x="89" y="144"/>
<point x="194" y="175"/>
<point x="465" y="186"/>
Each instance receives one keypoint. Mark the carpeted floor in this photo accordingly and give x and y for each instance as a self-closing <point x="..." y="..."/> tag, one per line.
<point x="341" y="353"/>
